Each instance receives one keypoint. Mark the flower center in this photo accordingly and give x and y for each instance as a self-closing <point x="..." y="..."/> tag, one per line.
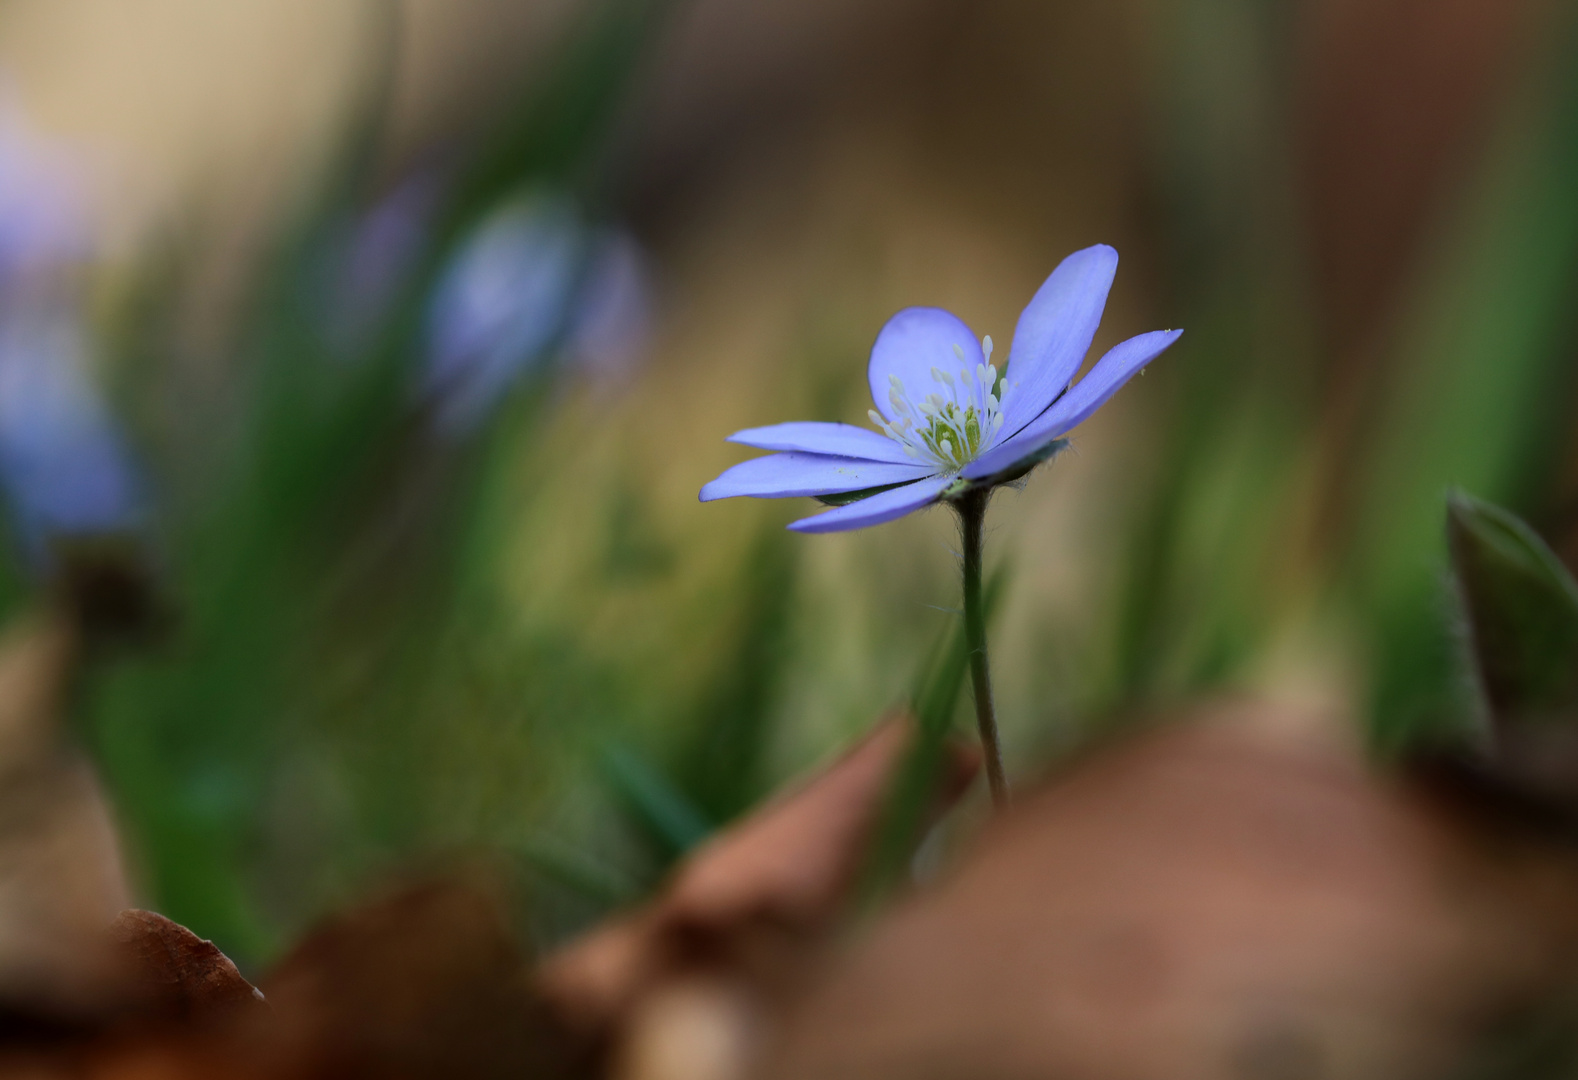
<point x="955" y="421"/>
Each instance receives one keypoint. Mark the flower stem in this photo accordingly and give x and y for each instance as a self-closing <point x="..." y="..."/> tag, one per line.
<point x="971" y="508"/>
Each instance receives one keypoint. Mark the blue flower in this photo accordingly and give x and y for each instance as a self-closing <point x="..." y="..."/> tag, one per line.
<point x="948" y="421"/>
<point x="499" y="305"/>
<point x="372" y="258"/>
<point x="63" y="466"/>
<point x="534" y="284"/>
<point x="43" y="216"/>
<point x="64" y="469"/>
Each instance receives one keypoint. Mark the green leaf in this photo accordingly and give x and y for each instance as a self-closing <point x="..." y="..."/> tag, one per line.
<point x="653" y="799"/>
<point x="722" y="766"/>
<point x="580" y="871"/>
<point x="1522" y="608"/>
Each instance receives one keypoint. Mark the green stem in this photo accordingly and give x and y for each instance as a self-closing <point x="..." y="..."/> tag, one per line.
<point x="971" y="508"/>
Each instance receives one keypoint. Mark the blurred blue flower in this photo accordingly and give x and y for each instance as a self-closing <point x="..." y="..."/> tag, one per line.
<point x="611" y="326"/>
<point x="63" y="466"/>
<point x="532" y="284"/>
<point x="42" y="218"/>
<point x="374" y="257"/>
<point x="948" y="420"/>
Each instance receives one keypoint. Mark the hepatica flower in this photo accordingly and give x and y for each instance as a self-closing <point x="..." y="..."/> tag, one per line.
<point x="950" y="427"/>
<point x="946" y="419"/>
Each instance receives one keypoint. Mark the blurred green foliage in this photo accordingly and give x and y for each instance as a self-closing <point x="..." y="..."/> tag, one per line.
<point x="1473" y="390"/>
<point x="341" y="637"/>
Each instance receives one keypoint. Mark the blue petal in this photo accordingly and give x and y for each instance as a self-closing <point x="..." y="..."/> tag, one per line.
<point x="913" y="342"/>
<point x="1120" y="364"/>
<point x="815" y="437"/>
<point x="1055" y="331"/>
<point x="780" y="476"/>
<point x="64" y="465"/>
<point x="877" y="509"/>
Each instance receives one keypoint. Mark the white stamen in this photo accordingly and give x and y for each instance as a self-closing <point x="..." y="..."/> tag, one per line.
<point x="955" y="423"/>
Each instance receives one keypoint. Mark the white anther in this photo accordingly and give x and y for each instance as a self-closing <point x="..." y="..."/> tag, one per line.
<point x="958" y="350"/>
<point x="986" y="346"/>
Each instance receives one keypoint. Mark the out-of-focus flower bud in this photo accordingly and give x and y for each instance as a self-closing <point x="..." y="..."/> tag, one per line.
<point x="43" y="225"/>
<point x="532" y="285"/>
<point x="613" y="319"/>
<point x="373" y="260"/>
<point x="64" y="467"/>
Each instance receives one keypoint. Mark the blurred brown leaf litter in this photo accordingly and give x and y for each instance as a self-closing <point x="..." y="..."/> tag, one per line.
<point x="1207" y="897"/>
<point x="429" y="979"/>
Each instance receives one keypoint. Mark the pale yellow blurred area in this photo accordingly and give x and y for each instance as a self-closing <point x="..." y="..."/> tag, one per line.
<point x="229" y="109"/>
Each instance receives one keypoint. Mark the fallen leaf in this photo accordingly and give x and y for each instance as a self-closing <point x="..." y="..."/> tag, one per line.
<point x="427" y="981"/>
<point x="179" y="975"/>
<point x="1203" y="900"/>
<point x="749" y="907"/>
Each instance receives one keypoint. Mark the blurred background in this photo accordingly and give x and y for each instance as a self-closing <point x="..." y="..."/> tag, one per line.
<point x="378" y="351"/>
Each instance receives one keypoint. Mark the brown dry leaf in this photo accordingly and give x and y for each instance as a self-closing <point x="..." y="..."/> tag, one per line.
<point x="178" y="974"/>
<point x="428" y="981"/>
<point x="744" y="911"/>
<point x="1202" y="901"/>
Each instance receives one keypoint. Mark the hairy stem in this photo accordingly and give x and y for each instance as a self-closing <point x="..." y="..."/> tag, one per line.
<point x="971" y="508"/>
